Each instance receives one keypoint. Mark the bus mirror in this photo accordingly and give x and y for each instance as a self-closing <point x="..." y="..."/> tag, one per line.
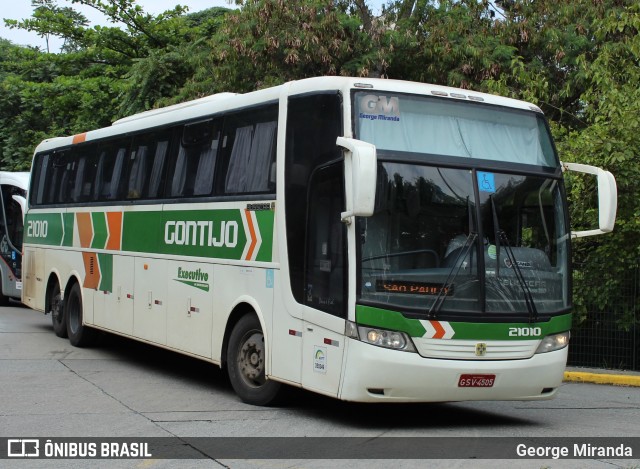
<point x="360" y="172"/>
<point x="22" y="202"/>
<point x="607" y="198"/>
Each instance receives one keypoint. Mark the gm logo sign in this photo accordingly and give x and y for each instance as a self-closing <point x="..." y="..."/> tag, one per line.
<point x="23" y="448"/>
<point x="388" y="106"/>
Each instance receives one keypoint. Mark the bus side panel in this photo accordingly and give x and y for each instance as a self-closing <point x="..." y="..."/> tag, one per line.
<point x="287" y="332"/>
<point x="150" y="300"/>
<point x="190" y="307"/>
<point x="119" y="307"/>
<point x="33" y="290"/>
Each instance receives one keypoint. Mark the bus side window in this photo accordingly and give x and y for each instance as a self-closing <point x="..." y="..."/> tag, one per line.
<point x="111" y="170"/>
<point x="39" y="176"/>
<point x="57" y="179"/>
<point x="84" y="176"/>
<point x="146" y="165"/>
<point x="155" y="178"/>
<point x="249" y="148"/>
<point x="193" y="170"/>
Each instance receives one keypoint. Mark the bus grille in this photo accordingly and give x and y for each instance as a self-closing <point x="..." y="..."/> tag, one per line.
<point x="476" y="349"/>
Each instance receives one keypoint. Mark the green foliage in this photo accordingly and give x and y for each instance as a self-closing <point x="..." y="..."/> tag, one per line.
<point x="269" y="42"/>
<point x="449" y="42"/>
<point x="610" y="139"/>
<point x="578" y="60"/>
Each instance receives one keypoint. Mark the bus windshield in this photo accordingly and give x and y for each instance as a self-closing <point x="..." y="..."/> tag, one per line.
<point x="461" y="129"/>
<point x="433" y="245"/>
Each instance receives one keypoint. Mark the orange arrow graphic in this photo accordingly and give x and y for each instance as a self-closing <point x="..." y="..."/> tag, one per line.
<point x="440" y="332"/>
<point x="252" y="233"/>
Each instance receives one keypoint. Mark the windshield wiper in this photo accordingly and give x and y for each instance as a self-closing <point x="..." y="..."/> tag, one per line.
<point x="502" y="238"/>
<point x="446" y="286"/>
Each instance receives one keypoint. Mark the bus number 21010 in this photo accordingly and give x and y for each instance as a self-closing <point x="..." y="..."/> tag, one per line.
<point x="525" y="332"/>
<point x="37" y="228"/>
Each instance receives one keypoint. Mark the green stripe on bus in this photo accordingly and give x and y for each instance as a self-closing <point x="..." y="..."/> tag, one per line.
<point x="44" y="228"/>
<point x="265" y="222"/>
<point x="100" y="233"/>
<point x="386" y="319"/>
<point x="68" y="220"/>
<point x="198" y="233"/>
<point x="394" y="320"/>
<point x="141" y="231"/>
<point x="501" y="331"/>
<point x="222" y="234"/>
<point x="105" y="261"/>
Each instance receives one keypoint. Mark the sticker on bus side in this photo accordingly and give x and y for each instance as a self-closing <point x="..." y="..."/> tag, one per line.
<point x="320" y="359"/>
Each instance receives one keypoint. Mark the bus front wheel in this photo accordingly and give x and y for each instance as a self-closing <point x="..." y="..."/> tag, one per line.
<point x="246" y="359"/>
<point x="55" y="307"/>
<point x="79" y="334"/>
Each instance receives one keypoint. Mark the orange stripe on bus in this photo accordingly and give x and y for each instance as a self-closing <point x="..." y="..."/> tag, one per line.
<point x="252" y="232"/>
<point x="91" y="270"/>
<point x="85" y="229"/>
<point x="114" y="220"/>
<point x="79" y="138"/>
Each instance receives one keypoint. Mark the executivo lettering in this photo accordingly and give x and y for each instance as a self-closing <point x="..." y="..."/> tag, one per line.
<point x="202" y="233"/>
<point x="198" y="275"/>
<point x="193" y="278"/>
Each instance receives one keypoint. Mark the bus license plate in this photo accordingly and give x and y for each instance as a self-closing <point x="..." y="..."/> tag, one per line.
<point x="476" y="381"/>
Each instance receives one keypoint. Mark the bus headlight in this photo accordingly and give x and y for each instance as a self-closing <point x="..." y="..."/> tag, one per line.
<point x="554" y="342"/>
<point x="383" y="338"/>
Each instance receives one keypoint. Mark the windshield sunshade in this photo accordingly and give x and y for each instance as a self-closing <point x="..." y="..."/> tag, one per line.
<point x="463" y="129"/>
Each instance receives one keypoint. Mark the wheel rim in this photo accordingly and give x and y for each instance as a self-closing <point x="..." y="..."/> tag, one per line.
<point x="74" y="313"/>
<point x="250" y="359"/>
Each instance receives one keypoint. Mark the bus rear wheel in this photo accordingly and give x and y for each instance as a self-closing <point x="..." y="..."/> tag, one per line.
<point x="79" y="334"/>
<point x="55" y="307"/>
<point x="246" y="359"/>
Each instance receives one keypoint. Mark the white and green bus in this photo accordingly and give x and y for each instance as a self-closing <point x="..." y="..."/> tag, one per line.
<point x="370" y="240"/>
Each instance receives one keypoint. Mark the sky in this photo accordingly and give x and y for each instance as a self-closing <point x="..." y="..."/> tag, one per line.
<point x="22" y="9"/>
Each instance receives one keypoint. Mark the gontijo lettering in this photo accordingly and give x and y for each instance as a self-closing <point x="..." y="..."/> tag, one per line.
<point x="201" y="233"/>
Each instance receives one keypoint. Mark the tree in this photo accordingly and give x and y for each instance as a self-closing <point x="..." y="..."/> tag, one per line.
<point x="164" y="73"/>
<point x="94" y="80"/>
<point x="610" y="139"/>
<point x="452" y="42"/>
<point x="48" y="20"/>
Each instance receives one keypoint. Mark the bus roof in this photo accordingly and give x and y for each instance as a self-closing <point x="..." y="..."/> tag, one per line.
<point x="18" y="179"/>
<point x="220" y="102"/>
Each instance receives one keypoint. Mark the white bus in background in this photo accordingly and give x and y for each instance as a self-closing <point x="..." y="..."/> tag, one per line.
<point x="370" y="240"/>
<point x="13" y="193"/>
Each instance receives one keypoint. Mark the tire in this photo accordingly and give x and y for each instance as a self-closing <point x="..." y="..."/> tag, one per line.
<point x="55" y="307"/>
<point x="246" y="358"/>
<point x="4" y="300"/>
<point x="79" y="334"/>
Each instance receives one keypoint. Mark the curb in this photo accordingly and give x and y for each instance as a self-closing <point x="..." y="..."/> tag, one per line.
<point x="601" y="378"/>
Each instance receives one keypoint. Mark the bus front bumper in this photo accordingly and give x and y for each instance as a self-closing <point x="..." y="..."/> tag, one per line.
<point x="376" y="374"/>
